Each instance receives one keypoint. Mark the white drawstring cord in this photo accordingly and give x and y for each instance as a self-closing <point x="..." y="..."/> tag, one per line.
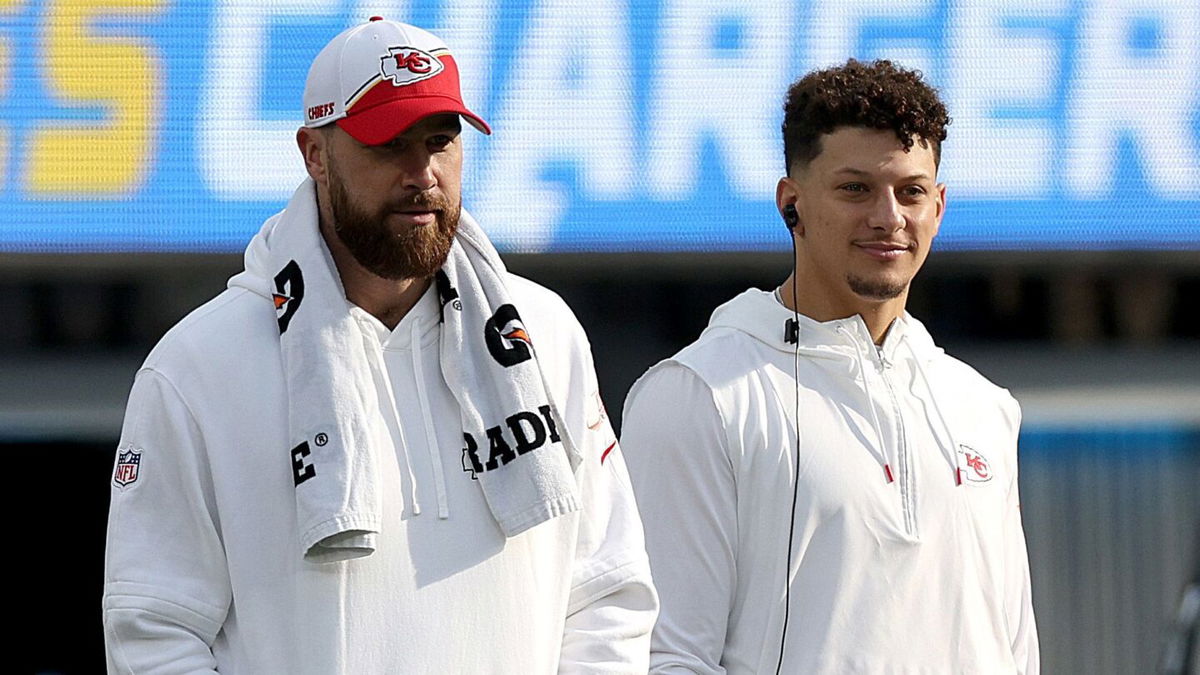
<point x="431" y="443"/>
<point x="862" y="369"/>
<point x="382" y="381"/>
<point x="953" y="449"/>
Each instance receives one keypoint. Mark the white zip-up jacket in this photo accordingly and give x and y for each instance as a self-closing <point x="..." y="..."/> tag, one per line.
<point x="907" y="553"/>
<point x="203" y="572"/>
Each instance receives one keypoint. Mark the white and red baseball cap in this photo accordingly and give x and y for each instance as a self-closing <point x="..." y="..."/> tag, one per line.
<point x="379" y="78"/>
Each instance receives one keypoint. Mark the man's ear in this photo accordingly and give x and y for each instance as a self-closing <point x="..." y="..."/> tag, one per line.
<point x="941" y="207"/>
<point x="787" y="196"/>
<point x="312" y="144"/>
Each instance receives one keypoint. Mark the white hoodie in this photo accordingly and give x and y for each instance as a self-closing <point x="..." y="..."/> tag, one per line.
<point x="925" y="573"/>
<point x="203" y="572"/>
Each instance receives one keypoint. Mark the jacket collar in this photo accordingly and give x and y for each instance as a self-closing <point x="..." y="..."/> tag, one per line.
<point x="759" y="314"/>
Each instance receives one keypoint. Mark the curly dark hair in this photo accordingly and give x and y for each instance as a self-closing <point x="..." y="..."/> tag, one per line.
<point x="875" y="95"/>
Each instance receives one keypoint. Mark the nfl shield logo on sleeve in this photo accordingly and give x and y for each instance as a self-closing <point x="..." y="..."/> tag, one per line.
<point x="128" y="463"/>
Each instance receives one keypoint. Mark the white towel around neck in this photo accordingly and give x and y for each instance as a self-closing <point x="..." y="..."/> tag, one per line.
<point x="522" y="445"/>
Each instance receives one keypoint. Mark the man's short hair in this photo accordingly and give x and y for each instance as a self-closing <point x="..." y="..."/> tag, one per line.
<point x="875" y="95"/>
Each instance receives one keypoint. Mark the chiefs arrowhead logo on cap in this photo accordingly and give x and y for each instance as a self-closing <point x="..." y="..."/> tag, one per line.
<point x="406" y="65"/>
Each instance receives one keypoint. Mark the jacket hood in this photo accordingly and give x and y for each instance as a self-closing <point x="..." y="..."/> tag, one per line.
<point x="760" y="315"/>
<point x="258" y="274"/>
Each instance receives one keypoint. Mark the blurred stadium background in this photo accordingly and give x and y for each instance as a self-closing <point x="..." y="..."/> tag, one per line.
<point x="142" y="142"/>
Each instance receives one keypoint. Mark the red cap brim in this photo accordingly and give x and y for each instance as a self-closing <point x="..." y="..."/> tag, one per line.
<point x="385" y="121"/>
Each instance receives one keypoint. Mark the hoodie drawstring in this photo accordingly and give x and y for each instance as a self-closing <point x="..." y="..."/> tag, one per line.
<point x="953" y="449"/>
<point x="384" y="384"/>
<point x="862" y="369"/>
<point x="431" y="444"/>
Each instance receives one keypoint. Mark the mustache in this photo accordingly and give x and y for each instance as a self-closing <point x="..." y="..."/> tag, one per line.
<point x="423" y="201"/>
<point x="888" y="241"/>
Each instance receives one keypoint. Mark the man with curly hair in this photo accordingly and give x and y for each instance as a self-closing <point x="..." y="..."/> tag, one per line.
<point x="824" y="490"/>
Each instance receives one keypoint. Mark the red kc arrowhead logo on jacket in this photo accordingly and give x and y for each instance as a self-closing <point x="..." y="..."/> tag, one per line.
<point x="974" y="466"/>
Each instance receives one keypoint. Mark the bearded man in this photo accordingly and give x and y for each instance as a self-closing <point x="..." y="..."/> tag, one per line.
<point x="377" y="451"/>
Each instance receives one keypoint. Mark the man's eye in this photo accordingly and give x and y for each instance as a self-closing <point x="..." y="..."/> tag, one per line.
<point x="853" y="187"/>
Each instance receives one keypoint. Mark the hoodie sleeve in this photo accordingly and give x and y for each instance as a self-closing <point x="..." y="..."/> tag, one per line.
<point x="684" y="482"/>
<point x="166" y="588"/>
<point x="613" y="603"/>
<point x="1018" y="603"/>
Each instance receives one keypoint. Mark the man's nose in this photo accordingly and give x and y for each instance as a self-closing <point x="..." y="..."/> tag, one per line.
<point x="886" y="213"/>
<point x="416" y="171"/>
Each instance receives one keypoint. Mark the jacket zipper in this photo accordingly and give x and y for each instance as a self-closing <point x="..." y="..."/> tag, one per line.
<point x="907" y="503"/>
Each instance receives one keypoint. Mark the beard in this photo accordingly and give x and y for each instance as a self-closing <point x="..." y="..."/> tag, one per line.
<point x="415" y="253"/>
<point x="875" y="289"/>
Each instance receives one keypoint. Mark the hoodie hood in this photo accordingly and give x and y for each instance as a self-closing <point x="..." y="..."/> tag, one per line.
<point x="760" y="315"/>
